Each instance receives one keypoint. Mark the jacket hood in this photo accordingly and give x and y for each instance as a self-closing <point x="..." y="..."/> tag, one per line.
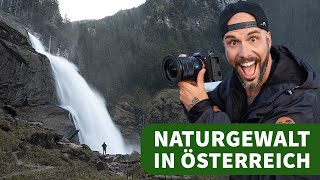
<point x="290" y="69"/>
<point x="288" y="72"/>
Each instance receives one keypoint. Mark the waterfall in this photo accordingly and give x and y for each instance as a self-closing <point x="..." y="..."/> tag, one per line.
<point x="87" y="106"/>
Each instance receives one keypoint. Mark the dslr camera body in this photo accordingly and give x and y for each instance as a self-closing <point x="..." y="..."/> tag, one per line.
<point x="176" y="69"/>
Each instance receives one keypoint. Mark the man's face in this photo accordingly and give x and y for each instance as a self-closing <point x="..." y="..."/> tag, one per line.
<point x="248" y="51"/>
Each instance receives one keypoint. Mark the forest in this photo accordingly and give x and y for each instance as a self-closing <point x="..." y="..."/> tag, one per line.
<point x="123" y="53"/>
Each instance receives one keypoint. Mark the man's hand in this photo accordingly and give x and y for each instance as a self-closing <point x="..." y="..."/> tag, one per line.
<point x="192" y="92"/>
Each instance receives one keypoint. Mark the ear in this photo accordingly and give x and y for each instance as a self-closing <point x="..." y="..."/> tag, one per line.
<point x="269" y="40"/>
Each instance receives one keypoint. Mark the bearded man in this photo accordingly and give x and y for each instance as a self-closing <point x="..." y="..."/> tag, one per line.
<point x="268" y="84"/>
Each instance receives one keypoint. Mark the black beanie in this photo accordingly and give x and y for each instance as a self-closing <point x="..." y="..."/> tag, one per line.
<point x="242" y="6"/>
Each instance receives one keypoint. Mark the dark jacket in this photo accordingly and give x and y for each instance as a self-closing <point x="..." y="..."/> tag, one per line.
<point x="289" y="91"/>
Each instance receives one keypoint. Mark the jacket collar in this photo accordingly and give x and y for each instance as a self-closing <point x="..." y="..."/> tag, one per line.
<point x="287" y="72"/>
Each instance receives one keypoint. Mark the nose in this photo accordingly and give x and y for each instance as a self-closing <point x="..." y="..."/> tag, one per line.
<point x="245" y="51"/>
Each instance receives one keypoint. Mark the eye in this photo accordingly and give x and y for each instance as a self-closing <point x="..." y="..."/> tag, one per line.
<point x="233" y="43"/>
<point x="253" y="39"/>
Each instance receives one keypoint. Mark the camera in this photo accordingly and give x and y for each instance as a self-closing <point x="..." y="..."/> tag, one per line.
<point x="176" y="69"/>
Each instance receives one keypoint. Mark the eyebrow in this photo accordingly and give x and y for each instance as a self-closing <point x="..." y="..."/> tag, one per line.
<point x="253" y="32"/>
<point x="229" y="36"/>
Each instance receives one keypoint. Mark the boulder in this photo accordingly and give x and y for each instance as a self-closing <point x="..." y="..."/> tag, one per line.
<point x="100" y="166"/>
<point x="134" y="156"/>
<point x="108" y="159"/>
<point x="51" y="116"/>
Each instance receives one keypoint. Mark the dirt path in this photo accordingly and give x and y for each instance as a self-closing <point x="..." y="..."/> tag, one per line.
<point x="14" y="154"/>
<point x="34" y="169"/>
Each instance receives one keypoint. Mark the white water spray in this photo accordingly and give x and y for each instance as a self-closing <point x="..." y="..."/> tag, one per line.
<point x="86" y="105"/>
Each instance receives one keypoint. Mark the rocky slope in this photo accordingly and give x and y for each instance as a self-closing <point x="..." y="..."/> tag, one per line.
<point x="29" y="151"/>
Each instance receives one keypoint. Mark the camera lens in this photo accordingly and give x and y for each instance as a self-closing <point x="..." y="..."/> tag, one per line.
<point x="173" y="70"/>
<point x="181" y="68"/>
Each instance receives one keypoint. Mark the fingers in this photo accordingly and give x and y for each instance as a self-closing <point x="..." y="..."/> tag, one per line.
<point x="188" y="87"/>
<point x="191" y="82"/>
<point x="183" y="97"/>
<point x="183" y="55"/>
<point x="200" y="77"/>
<point x="185" y="84"/>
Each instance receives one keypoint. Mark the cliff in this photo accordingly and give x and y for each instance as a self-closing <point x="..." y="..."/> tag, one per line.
<point x="26" y="84"/>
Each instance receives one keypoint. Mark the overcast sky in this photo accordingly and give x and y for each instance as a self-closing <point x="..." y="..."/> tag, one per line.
<point x="94" y="9"/>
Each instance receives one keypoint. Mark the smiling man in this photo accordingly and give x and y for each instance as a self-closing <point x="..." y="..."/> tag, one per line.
<point x="248" y="52"/>
<point x="268" y="84"/>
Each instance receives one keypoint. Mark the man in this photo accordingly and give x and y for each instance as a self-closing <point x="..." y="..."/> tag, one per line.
<point x="268" y="84"/>
<point x="104" y="147"/>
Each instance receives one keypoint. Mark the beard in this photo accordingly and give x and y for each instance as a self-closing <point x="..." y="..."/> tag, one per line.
<point x="263" y="68"/>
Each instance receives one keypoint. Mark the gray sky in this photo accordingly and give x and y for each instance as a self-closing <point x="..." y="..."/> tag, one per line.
<point x="94" y="9"/>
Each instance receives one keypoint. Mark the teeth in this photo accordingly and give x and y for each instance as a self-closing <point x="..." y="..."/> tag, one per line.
<point x="248" y="64"/>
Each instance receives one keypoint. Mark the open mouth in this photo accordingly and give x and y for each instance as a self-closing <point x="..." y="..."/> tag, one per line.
<point x="248" y="70"/>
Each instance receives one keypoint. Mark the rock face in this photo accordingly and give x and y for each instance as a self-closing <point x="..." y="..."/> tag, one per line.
<point x="166" y="108"/>
<point x="128" y="115"/>
<point x="52" y="117"/>
<point x="26" y="82"/>
<point x="133" y="112"/>
<point x="25" y="76"/>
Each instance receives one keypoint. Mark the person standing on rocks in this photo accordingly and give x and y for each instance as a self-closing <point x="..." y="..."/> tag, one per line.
<point x="104" y="147"/>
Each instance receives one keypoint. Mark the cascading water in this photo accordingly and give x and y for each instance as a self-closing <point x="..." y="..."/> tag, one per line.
<point x="86" y="105"/>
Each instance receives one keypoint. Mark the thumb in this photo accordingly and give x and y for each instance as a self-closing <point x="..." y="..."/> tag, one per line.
<point x="200" y="78"/>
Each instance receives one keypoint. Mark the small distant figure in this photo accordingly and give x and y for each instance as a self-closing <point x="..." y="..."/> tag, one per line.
<point x="104" y="146"/>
